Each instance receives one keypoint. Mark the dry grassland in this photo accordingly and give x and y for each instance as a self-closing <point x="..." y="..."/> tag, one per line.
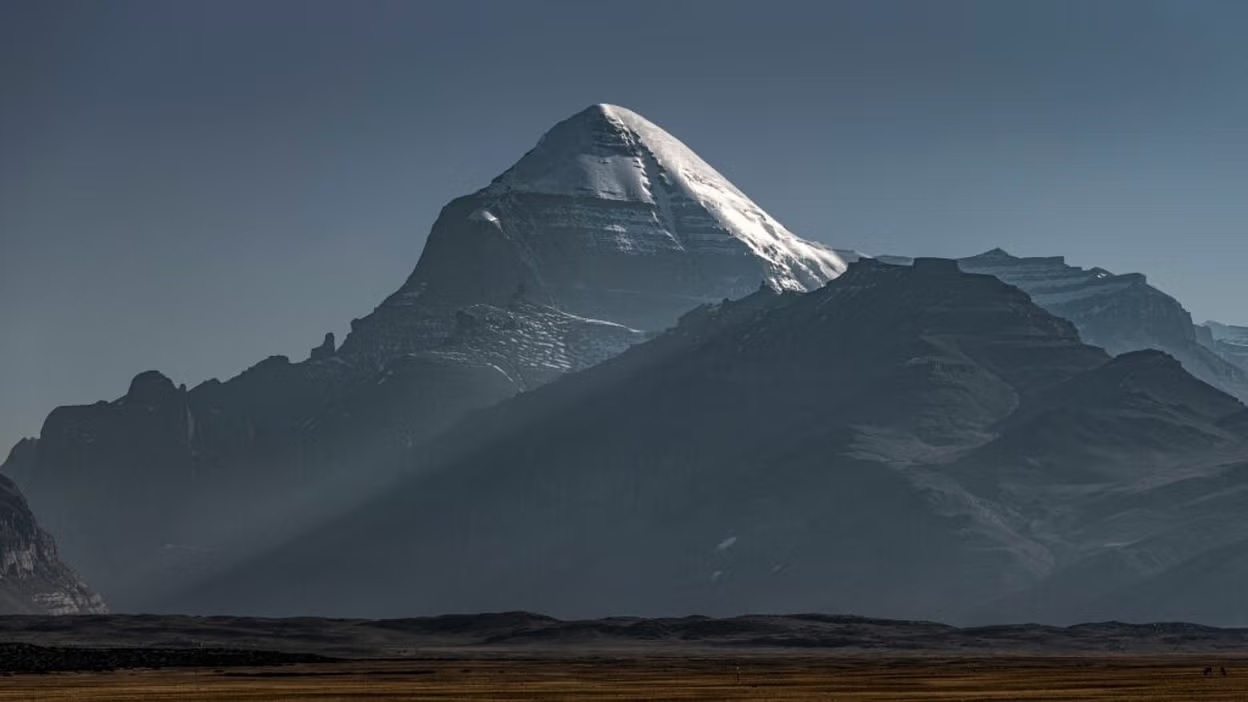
<point x="761" y="678"/>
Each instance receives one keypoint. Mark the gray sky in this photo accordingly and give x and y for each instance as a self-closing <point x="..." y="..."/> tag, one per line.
<point x="192" y="186"/>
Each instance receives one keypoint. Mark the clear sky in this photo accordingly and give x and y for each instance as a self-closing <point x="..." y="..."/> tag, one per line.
<point x="192" y="186"/>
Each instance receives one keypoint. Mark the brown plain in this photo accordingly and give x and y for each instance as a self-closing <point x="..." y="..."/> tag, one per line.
<point x="668" y="678"/>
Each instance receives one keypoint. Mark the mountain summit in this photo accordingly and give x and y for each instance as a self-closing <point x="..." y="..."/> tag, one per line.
<point x="608" y="217"/>
<point x="612" y="153"/>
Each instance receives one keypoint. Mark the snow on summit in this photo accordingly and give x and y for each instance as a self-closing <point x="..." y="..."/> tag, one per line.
<point x="607" y="152"/>
<point x="609" y="218"/>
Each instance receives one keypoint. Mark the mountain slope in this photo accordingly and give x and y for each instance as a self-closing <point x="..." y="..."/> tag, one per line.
<point x="852" y="449"/>
<point x="1124" y="474"/>
<point x="33" y="580"/>
<point x="1122" y="421"/>
<point x="1119" y="313"/>
<point x="1228" y="341"/>
<point x="605" y="232"/>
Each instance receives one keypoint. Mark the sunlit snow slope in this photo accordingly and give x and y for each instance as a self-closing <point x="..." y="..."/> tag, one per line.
<point x="608" y="217"/>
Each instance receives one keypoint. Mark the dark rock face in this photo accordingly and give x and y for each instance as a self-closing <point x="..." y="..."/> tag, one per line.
<point x="325" y="350"/>
<point x="33" y="580"/>
<point x="1119" y="313"/>
<point x="605" y="232"/>
<point x="134" y="488"/>
<point x="913" y="442"/>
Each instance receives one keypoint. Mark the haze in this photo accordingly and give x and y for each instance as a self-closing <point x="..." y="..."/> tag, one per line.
<point x="194" y="186"/>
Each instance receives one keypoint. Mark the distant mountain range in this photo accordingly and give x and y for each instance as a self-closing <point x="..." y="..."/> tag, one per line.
<point x="909" y="441"/>
<point x="1120" y="313"/>
<point x="147" y="641"/>
<point x="1228" y="341"/>
<point x="976" y="440"/>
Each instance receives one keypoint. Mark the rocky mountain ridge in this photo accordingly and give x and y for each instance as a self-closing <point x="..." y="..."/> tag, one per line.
<point x="1118" y="312"/>
<point x="1227" y="340"/>
<point x="904" y="441"/>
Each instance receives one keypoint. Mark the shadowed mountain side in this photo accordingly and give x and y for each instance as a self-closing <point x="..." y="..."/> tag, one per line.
<point x="1169" y="544"/>
<point x="1120" y="313"/>
<point x="1206" y="586"/>
<point x="1124" y="421"/>
<point x="780" y="451"/>
<point x="1129" y="474"/>
<point x="606" y="231"/>
<point x="134" y="487"/>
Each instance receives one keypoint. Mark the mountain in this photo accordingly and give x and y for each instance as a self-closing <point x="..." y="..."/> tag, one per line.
<point x="1228" y="341"/>
<point x="33" y="580"/>
<point x="905" y="441"/>
<point x="1119" y="313"/>
<point x="608" y="217"/>
<point x="601" y="235"/>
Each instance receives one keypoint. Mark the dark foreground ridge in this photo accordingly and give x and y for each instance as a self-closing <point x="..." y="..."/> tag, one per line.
<point x="150" y="641"/>
<point x="29" y="658"/>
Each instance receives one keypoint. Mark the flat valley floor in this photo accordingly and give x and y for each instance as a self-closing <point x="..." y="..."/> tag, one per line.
<point x="761" y="677"/>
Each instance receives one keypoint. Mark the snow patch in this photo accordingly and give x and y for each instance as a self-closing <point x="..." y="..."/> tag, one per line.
<point x="483" y="215"/>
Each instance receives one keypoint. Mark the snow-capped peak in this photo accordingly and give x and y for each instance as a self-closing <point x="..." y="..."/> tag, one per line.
<point x="612" y="153"/>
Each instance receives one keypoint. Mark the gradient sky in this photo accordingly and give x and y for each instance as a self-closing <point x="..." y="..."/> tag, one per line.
<point x="192" y="186"/>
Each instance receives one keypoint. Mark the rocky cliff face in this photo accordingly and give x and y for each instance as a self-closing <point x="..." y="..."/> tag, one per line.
<point x="33" y="580"/>
<point x="1119" y="313"/>
<point x="606" y="231"/>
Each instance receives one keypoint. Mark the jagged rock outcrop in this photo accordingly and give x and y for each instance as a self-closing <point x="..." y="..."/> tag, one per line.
<point x="33" y="580"/>
<point x="325" y="350"/>
<point x="914" y="442"/>
<point x="603" y="233"/>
